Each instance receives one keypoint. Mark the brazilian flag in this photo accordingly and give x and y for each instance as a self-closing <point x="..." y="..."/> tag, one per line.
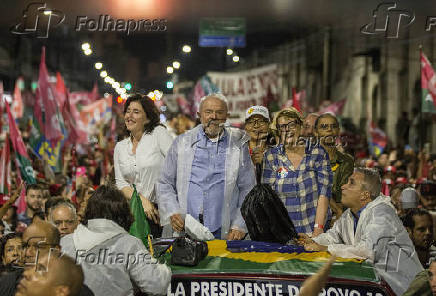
<point x="140" y="227"/>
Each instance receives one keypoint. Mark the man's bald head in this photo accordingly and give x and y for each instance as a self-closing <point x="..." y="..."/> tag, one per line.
<point x="42" y="229"/>
<point x="54" y="274"/>
<point x="67" y="273"/>
<point x="38" y="239"/>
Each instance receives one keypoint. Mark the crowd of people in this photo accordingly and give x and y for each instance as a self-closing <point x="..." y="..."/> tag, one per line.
<point x="340" y="199"/>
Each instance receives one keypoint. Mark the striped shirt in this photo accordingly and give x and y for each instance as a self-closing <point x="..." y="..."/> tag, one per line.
<point x="299" y="188"/>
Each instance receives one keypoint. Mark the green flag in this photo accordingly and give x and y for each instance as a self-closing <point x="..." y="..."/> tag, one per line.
<point x="140" y="227"/>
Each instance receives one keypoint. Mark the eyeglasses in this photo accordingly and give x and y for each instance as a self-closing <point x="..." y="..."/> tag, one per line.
<point x="288" y="126"/>
<point x="257" y="121"/>
<point x="325" y="127"/>
<point x="40" y="245"/>
<point x="60" y="222"/>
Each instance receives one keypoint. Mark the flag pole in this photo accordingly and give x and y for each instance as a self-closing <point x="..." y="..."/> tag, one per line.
<point x="421" y="129"/>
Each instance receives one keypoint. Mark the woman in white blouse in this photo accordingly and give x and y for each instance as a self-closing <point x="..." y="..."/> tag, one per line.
<point x="138" y="159"/>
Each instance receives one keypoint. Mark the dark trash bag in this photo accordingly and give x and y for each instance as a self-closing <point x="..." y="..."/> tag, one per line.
<point x="266" y="217"/>
<point x="188" y="252"/>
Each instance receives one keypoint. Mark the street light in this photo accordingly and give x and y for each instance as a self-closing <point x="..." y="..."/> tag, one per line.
<point x="158" y="94"/>
<point x="88" y="51"/>
<point x="176" y="65"/>
<point x="103" y="74"/>
<point x="236" y="59"/>
<point x="229" y="51"/>
<point x="86" y="46"/>
<point x="98" y="65"/>
<point x="186" y="48"/>
<point x="170" y="84"/>
<point x="47" y="12"/>
<point x="170" y="70"/>
<point x="116" y="85"/>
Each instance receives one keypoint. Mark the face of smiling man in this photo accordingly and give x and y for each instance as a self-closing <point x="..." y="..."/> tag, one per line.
<point x="213" y="114"/>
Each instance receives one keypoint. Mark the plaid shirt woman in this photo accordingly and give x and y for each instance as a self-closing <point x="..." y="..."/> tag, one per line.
<point x="300" y="174"/>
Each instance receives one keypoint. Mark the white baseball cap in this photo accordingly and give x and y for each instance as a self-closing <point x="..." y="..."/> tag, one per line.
<point x="257" y="110"/>
<point x="409" y="198"/>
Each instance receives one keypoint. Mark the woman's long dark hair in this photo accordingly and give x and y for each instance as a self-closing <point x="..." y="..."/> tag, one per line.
<point x="150" y="110"/>
<point x="109" y="203"/>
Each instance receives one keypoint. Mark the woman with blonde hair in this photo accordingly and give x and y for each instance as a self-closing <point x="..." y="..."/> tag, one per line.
<point x="300" y="173"/>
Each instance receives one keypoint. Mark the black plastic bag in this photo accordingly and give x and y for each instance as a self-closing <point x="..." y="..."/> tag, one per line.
<point x="188" y="252"/>
<point x="266" y="217"/>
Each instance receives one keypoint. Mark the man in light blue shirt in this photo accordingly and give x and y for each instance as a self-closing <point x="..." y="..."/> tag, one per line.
<point x="207" y="174"/>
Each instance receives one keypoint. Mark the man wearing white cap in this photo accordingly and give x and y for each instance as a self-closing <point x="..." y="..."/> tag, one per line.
<point x="256" y="125"/>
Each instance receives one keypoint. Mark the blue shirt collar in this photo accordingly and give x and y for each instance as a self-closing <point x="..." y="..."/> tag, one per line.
<point x="356" y="216"/>
<point x="202" y="135"/>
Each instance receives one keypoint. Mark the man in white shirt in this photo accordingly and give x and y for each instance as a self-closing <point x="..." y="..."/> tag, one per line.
<point x="370" y="229"/>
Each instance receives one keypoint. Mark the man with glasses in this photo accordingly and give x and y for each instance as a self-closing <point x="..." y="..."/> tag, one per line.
<point x="342" y="164"/>
<point x="207" y="174"/>
<point x="63" y="216"/>
<point x="256" y="126"/>
<point x="39" y="239"/>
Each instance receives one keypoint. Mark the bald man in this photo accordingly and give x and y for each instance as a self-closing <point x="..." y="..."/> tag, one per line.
<point x="54" y="274"/>
<point x="40" y="239"/>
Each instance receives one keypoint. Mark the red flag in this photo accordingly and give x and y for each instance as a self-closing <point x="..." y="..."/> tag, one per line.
<point x="296" y="98"/>
<point x="66" y="109"/>
<point x="20" y="150"/>
<point x="17" y="107"/>
<point x="61" y="90"/>
<point x="5" y="172"/>
<point x="51" y="121"/>
<point x="336" y="108"/>
<point x="2" y="107"/>
<point x="428" y="85"/>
